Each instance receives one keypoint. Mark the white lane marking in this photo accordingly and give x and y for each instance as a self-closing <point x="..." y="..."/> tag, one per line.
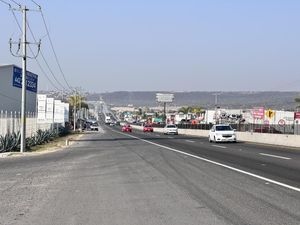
<point x="157" y="135"/>
<point x="219" y="146"/>
<point x="171" y="137"/>
<point x="190" y="141"/>
<point x="216" y="163"/>
<point x="275" y="156"/>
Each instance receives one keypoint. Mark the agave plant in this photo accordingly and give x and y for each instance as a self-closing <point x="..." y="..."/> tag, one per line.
<point x="10" y="142"/>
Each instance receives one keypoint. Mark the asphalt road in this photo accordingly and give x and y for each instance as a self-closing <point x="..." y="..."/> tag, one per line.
<point x="113" y="178"/>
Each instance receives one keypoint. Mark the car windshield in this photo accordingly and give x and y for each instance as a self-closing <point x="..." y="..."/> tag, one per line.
<point x="221" y="128"/>
<point x="171" y="126"/>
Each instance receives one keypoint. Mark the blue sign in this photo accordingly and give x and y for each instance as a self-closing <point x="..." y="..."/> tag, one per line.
<point x="31" y="79"/>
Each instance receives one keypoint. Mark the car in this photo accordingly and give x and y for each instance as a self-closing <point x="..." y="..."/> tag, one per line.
<point x="127" y="128"/>
<point x="112" y="124"/>
<point x="222" y="133"/>
<point x="171" y="129"/>
<point x="148" y="128"/>
<point x="94" y="126"/>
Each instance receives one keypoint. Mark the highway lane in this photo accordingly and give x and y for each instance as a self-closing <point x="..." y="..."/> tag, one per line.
<point x="110" y="178"/>
<point x="279" y="163"/>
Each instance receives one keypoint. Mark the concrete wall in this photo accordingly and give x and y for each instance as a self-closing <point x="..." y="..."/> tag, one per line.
<point x="273" y="139"/>
<point x="10" y="96"/>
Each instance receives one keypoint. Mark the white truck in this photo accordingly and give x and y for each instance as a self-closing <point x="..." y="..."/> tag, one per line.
<point x="107" y="120"/>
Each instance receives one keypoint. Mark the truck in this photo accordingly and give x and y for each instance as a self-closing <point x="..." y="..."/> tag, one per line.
<point x="107" y="120"/>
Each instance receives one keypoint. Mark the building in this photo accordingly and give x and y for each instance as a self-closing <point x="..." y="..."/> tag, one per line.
<point x="11" y="89"/>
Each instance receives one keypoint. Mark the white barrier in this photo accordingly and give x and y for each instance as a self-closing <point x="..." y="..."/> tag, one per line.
<point x="262" y="138"/>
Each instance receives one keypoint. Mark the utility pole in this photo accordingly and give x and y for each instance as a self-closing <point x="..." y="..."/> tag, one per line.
<point x="24" y="69"/>
<point x="75" y="99"/>
<point x="216" y="104"/>
<point x="24" y="57"/>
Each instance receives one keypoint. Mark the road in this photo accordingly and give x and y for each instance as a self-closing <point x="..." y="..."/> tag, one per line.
<point x="113" y="178"/>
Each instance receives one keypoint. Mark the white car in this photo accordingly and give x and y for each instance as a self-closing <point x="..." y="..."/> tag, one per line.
<point x="170" y="129"/>
<point x="94" y="126"/>
<point x="222" y="133"/>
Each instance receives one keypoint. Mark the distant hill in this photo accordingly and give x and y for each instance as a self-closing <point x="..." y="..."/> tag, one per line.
<point x="274" y="100"/>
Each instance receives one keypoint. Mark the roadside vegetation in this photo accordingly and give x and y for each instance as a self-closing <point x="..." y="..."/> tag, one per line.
<point x="11" y="141"/>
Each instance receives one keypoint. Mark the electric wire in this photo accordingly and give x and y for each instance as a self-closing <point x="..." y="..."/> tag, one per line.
<point x="5" y="3"/>
<point x="54" y="52"/>
<point x="18" y="4"/>
<point x="14" y="15"/>
<point x="36" y="3"/>
<point x="52" y="46"/>
<point x="32" y="34"/>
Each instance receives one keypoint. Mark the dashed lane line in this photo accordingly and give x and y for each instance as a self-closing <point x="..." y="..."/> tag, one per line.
<point x="275" y="156"/>
<point x="216" y="163"/>
<point x="219" y="146"/>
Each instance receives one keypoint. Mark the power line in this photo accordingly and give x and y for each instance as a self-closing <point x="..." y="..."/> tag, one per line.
<point x="18" y="4"/>
<point x="36" y="3"/>
<point x="45" y="60"/>
<point x="6" y="3"/>
<point x="14" y="15"/>
<point x="52" y="47"/>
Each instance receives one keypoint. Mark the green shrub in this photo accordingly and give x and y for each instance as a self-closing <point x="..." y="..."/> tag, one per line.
<point x="11" y="141"/>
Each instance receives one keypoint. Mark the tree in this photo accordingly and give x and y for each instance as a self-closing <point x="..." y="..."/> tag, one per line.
<point x="78" y="101"/>
<point x="297" y="100"/>
<point x="191" y="109"/>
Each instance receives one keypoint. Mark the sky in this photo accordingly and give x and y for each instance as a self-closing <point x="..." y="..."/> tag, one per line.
<point x="164" y="45"/>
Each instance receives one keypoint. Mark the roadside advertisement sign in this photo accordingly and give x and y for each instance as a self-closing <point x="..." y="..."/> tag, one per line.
<point x="166" y="98"/>
<point x="258" y="113"/>
<point x="297" y="115"/>
<point x="66" y="112"/>
<point x="41" y="108"/>
<point x="31" y="80"/>
<point x="58" y="111"/>
<point x="49" y="110"/>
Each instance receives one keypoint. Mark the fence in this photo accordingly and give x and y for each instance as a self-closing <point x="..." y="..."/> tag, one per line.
<point x="10" y="122"/>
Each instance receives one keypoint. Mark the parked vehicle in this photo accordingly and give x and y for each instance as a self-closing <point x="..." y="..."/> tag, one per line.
<point x="171" y="129"/>
<point x="148" y="128"/>
<point x="127" y="128"/>
<point x="222" y="133"/>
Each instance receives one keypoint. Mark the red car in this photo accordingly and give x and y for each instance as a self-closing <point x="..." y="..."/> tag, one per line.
<point x="127" y="128"/>
<point x="148" y="128"/>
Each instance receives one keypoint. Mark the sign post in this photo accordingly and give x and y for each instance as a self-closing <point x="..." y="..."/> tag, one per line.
<point x="164" y="98"/>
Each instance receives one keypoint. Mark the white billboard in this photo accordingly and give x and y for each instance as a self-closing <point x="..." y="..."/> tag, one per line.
<point x="41" y="108"/>
<point x="58" y="111"/>
<point x="49" y="110"/>
<point x="165" y="98"/>
<point x="66" y="112"/>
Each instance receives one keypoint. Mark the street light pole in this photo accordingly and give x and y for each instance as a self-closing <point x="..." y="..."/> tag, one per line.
<point x="216" y="105"/>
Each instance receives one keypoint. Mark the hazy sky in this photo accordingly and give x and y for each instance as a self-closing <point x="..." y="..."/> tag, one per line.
<point x="171" y="45"/>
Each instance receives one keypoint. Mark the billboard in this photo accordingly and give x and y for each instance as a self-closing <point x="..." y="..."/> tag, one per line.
<point x="41" y="108"/>
<point x="49" y="110"/>
<point x="58" y="111"/>
<point x="31" y="79"/>
<point x="165" y="98"/>
<point x="258" y="113"/>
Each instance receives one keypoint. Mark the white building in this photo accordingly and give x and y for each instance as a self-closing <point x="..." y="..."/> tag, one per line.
<point x="11" y="89"/>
